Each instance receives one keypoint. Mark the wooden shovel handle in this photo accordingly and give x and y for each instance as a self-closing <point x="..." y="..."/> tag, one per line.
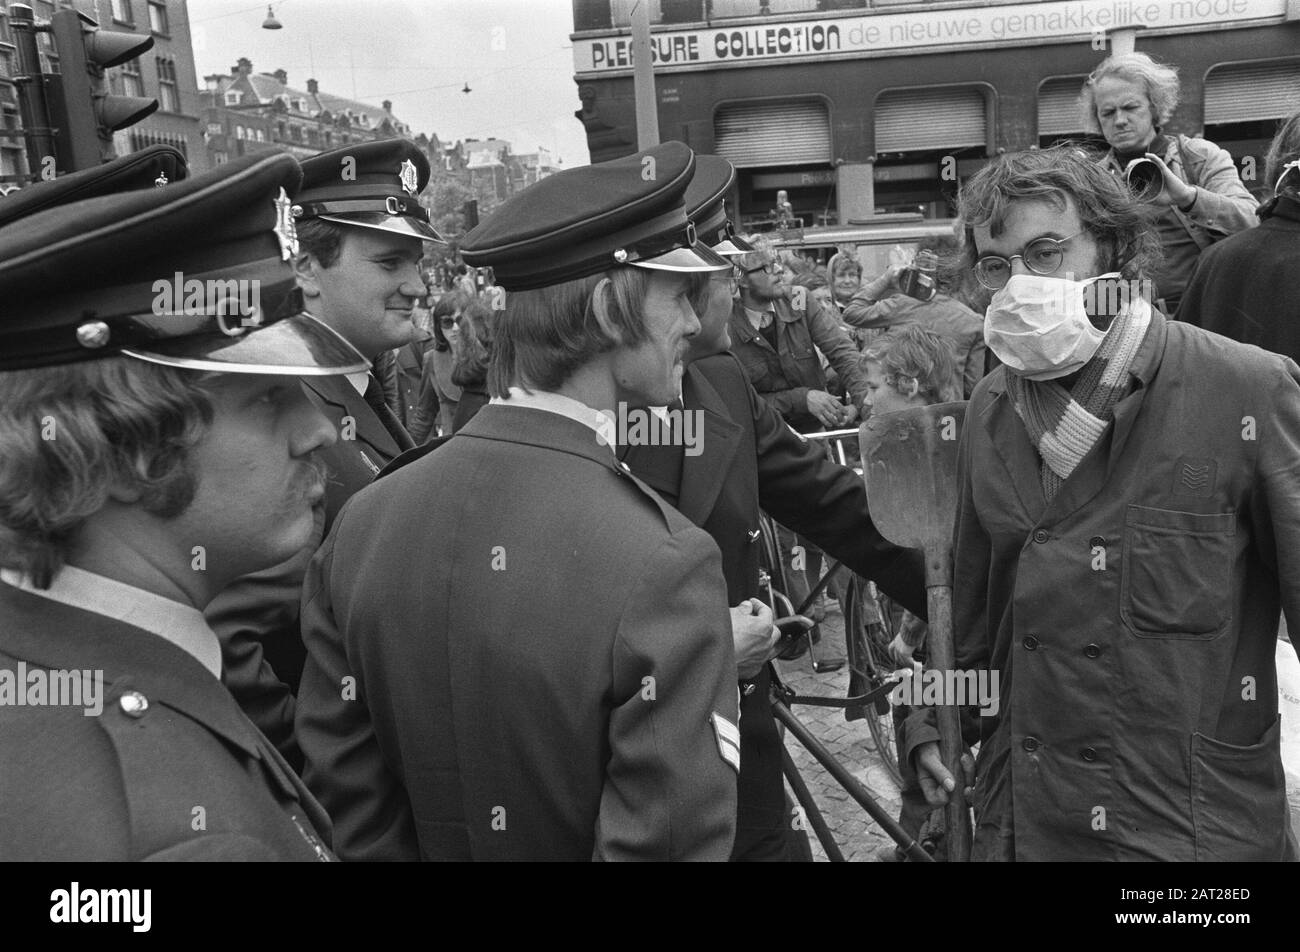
<point x="943" y="659"/>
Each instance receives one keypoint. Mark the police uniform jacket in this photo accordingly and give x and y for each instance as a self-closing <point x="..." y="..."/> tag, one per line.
<point x="170" y="769"/>
<point x="749" y="460"/>
<point x="256" y="616"/>
<point x="1133" y="620"/>
<point x="533" y="661"/>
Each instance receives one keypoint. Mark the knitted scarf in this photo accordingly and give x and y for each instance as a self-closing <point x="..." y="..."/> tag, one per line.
<point x="1066" y="424"/>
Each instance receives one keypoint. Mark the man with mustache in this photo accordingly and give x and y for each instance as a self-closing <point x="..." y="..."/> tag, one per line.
<point x="361" y="230"/>
<point x="151" y="455"/>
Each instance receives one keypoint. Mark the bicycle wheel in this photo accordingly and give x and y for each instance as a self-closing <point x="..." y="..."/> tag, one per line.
<point x="769" y="556"/>
<point x="867" y="639"/>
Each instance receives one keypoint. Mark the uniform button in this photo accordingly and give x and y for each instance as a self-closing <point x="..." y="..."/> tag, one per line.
<point x="1030" y="643"/>
<point x="133" y="704"/>
<point x="1089" y="754"/>
<point x="1096" y="541"/>
<point x="1030" y="744"/>
<point x="1093" y="651"/>
<point x="1040" y="535"/>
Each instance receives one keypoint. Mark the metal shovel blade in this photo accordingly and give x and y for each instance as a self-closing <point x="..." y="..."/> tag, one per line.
<point x="909" y="462"/>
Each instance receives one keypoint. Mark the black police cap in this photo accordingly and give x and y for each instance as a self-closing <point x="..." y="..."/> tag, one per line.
<point x="153" y="167"/>
<point x="195" y="275"/>
<point x="705" y="205"/>
<point x="368" y="185"/>
<point x="583" y="221"/>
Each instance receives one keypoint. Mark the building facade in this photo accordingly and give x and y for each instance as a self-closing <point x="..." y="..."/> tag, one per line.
<point x="246" y="111"/>
<point x="859" y="107"/>
<point x="165" y="73"/>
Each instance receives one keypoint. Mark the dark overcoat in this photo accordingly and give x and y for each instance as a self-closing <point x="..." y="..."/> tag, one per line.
<point x="176" y="773"/>
<point x="750" y="459"/>
<point x="532" y="661"/>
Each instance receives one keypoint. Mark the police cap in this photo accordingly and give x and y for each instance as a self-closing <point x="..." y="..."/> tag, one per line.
<point x="368" y="185"/>
<point x="705" y="205"/>
<point x="153" y="167"/>
<point x="193" y="275"/>
<point x="583" y="221"/>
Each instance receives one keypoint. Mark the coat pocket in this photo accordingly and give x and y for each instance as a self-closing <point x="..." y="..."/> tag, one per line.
<point x="1177" y="572"/>
<point x="1239" y="807"/>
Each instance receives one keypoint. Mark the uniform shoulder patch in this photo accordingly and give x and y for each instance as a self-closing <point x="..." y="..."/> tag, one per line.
<point x="727" y="735"/>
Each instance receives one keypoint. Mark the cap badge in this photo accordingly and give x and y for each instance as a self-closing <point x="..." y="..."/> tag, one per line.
<point x="620" y="255"/>
<point x="284" y="229"/>
<point x="161" y="180"/>
<point x="93" y="335"/>
<point x="410" y="178"/>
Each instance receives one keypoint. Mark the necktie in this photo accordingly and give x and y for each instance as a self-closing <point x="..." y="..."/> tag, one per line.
<point x="374" y="396"/>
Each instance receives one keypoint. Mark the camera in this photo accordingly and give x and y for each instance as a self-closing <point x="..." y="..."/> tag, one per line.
<point x="1144" y="179"/>
<point x="919" y="281"/>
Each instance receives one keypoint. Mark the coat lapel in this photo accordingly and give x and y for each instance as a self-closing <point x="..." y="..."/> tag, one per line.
<point x="704" y="474"/>
<point x="338" y="393"/>
<point x="1011" y="444"/>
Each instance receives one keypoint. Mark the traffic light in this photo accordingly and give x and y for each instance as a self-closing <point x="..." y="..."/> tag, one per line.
<point x="84" y="114"/>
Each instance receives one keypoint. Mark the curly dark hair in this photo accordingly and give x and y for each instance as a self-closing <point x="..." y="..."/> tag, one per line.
<point x="1061" y="174"/>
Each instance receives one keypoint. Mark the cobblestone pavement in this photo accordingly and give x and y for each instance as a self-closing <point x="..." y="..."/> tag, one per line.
<point x="856" y="833"/>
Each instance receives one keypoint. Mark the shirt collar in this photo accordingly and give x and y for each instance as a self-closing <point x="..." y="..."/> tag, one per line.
<point x="761" y="318"/>
<point x="359" y="380"/>
<point x="562" y="405"/>
<point x="182" y="625"/>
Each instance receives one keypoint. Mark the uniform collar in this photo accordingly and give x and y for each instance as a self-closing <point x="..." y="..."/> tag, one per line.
<point x="560" y="404"/>
<point x="182" y="625"/>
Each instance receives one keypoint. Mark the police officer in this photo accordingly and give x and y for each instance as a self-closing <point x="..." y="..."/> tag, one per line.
<point x="749" y="458"/>
<point x="533" y="660"/>
<point x="157" y="445"/>
<point x="361" y="230"/>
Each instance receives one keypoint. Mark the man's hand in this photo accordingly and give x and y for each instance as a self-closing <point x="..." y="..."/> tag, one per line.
<point x="901" y="652"/>
<point x="1176" y="191"/>
<point x="825" y="408"/>
<point x="754" y="636"/>
<point x="936" y="781"/>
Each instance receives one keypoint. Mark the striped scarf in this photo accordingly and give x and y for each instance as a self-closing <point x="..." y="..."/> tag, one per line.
<point x="1066" y="424"/>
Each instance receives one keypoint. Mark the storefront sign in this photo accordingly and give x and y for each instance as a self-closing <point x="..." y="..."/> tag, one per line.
<point x="912" y="32"/>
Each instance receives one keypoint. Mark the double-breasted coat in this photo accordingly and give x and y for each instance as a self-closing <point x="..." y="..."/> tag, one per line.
<point x="1132" y="622"/>
<point x="169" y="769"/>
<point x="749" y="459"/>
<point x="533" y="660"/>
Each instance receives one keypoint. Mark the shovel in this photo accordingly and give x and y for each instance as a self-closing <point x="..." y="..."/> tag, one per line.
<point x="909" y="462"/>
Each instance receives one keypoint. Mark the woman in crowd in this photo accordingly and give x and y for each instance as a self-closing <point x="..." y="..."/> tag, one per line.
<point x="470" y="370"/>
<point x="1129" y="98"/>
<point x="439" y="396"/>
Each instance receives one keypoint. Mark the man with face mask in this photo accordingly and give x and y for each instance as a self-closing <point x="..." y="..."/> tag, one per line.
<point x="1128" y="527"/>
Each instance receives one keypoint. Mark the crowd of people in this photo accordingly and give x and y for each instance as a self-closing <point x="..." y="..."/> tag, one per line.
<point x="342" y="570"/>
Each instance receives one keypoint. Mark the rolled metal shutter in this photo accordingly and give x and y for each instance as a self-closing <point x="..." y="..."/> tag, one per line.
<point x="1059" y="112"/>
<point x="789" y="132"/>
<point x="1250" y="92"/>
<point x="912" y="120"/>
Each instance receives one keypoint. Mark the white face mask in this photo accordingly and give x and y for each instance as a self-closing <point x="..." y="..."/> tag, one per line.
<point x="1038" y="325"/>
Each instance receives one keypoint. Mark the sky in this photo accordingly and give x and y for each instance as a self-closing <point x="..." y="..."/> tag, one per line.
<point x="514" y="54"/>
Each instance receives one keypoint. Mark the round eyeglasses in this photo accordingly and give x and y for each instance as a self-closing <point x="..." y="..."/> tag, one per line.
<point x="772" y="267"/>
<point x="1041" y="256"/>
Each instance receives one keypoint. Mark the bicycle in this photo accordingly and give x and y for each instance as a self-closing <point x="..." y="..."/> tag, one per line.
<point x="868" y="632"/>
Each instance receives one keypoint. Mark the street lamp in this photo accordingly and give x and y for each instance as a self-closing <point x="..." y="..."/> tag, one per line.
<point x="270" y="23"/>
